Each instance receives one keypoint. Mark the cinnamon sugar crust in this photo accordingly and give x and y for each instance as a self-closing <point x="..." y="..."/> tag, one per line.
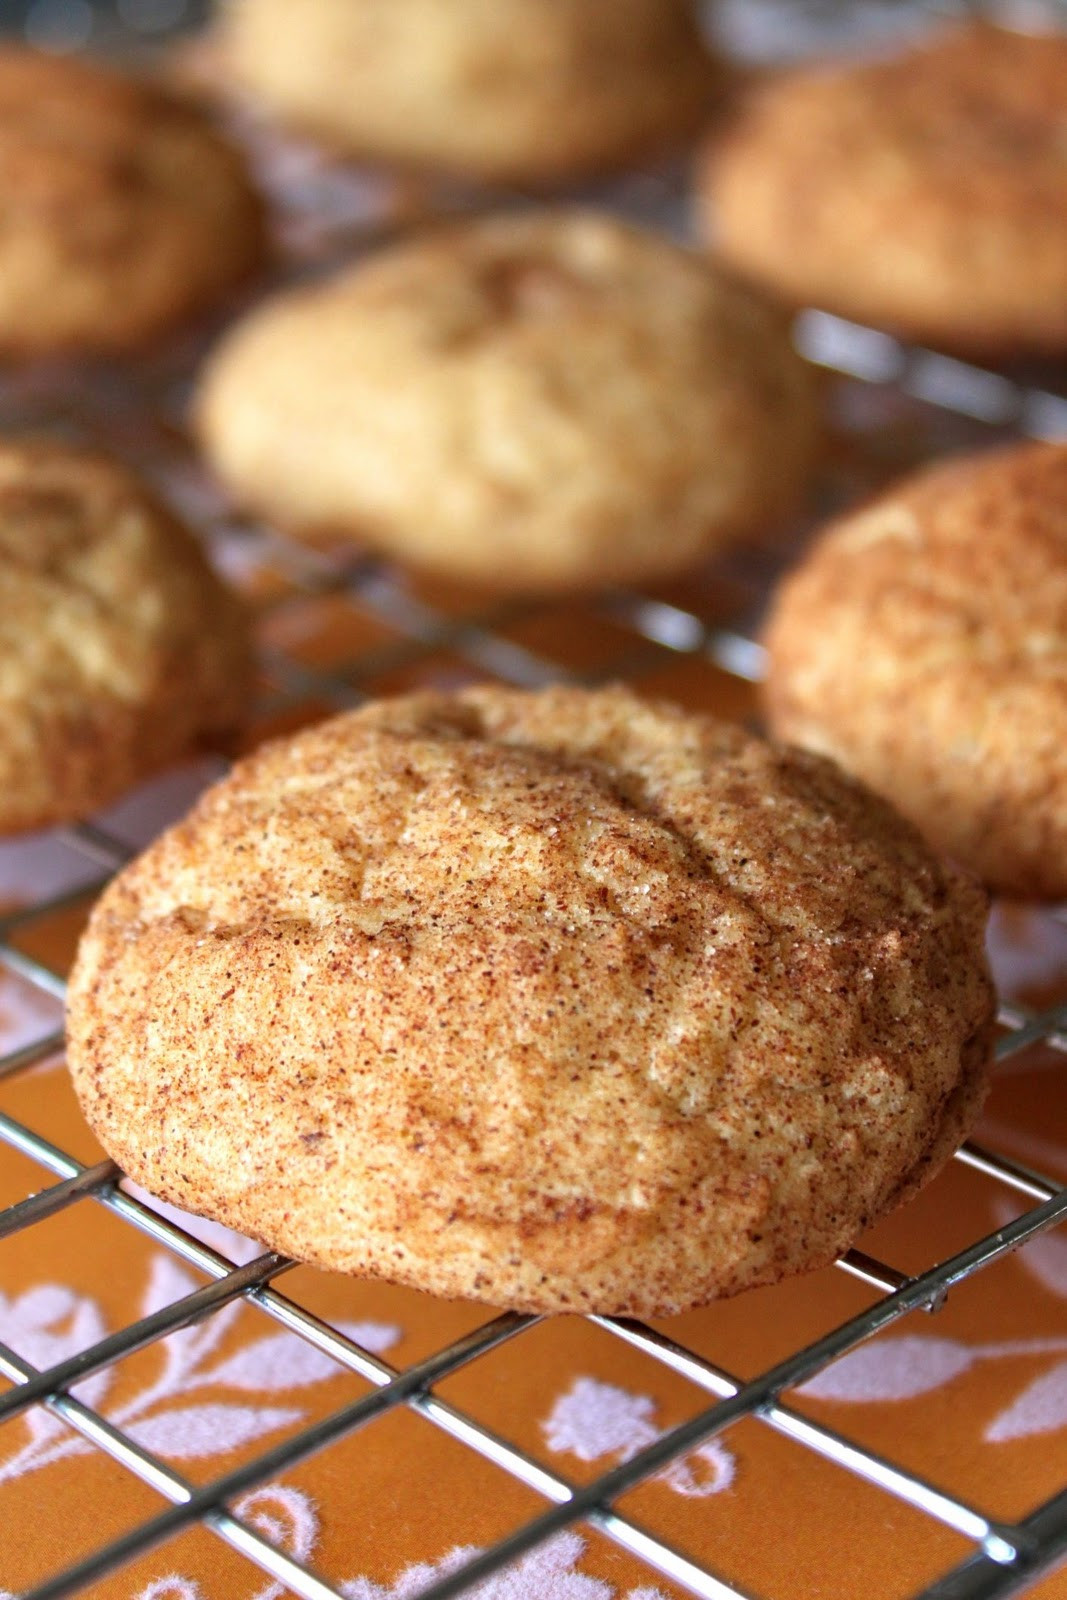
<point x="926" y="193"/>
<point x="923" y="644"/>
<point x="124" y="211"/>
<point x="560" y="1001"/>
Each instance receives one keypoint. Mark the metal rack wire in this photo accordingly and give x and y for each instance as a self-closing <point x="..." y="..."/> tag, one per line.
<point x="1005" y="1558"/>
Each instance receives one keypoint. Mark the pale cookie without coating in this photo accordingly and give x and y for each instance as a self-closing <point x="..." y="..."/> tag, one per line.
<point x="559" y="1001"/>
<point x="542" y="401"/>
<point x="926" y="193"/>
<point x="124" y="212"/>
<point x="120" y="650"/>
<point x="535" y="91"/>
<point x="923" y="643"/>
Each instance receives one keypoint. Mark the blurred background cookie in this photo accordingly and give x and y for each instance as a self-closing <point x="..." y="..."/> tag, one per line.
<point x="541" y="401"/>
<point x="124" y="211"/>
<point x="120" y="650"/>
<point x="527" y="91"/>
<point x="923" y="643"/>
<point x="560" y="1001"/>
<point x="926" y="193"/>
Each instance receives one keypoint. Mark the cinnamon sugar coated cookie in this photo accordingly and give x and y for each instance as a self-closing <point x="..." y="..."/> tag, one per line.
<point x="120" y="650"/>
<point x="537" y="91"/>
<point x="560" y="1001"/>
<point x="124" y="212"/>
<point x="926" y="193"/>
<point x="541" y="401"/>
<point x="923" y="643"/>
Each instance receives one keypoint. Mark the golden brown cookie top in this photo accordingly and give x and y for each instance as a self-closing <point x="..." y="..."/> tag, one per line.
<point x="549" y="812"/>
<point x="66" y="123"/>
<point x="922" y="642"/>
<point x="529" y="280"/>
<point x="123" y="209"/>
<point x="94" y="571"/>
<point x="961" y="567"/>
<point x="119" y="647"/>
<point x="575" y="1000"/>
<point x="980" y="112"/>
<point x="537" y="91"/>
<point x="539" y="400"/>
<point x="926" y="191"/>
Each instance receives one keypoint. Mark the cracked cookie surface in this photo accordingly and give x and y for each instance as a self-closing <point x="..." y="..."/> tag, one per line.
<point x="561" y="1001"/>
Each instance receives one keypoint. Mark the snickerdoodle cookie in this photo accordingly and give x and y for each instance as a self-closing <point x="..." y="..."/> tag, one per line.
<point x="923" y="643"/>
<point x="535" y="91"/>
<point x="124" y="212"/>
<point x="926" y="193"/>
<point x="120" y="650"/>
<point x="560" y="1000"/>
<point x="538" y="401"/>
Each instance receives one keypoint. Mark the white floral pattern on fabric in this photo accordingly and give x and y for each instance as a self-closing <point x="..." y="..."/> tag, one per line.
<point x="288" y="1518"/>
<point x="911" y="1365"/>
<point x="45" y="1325"/>
<point x="1041" y="1408"/>
<point x="898" y="1368"/>
<point x="48" y="1323"/>
<point x="904" y="1366"/>
<point x="593" y="1420"/>
<point x="548" y="1572"/>
<point x="1044" y="1257"/>
<point x="173" y="1588"/>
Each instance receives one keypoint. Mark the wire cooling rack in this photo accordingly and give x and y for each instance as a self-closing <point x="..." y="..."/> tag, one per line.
<point x="880" y="391"/>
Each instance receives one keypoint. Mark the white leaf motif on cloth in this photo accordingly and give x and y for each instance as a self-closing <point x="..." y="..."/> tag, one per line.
<point x="1041" y="1408"/>
<point x="1044" y="1257"/>
<point x="546" y="1573"/>
<point x="185" y="1350"/>
<point x="45" y="1325"/>
<point x="910" y="1365"/>
<point x="892" y="1369"/>
<point x="167" y="1282"/>
<point x="285" y="1361"/>
<point x="596" y="1419"/>
<point x="50" y="1322"/>
<point x="190" y="1432"/>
